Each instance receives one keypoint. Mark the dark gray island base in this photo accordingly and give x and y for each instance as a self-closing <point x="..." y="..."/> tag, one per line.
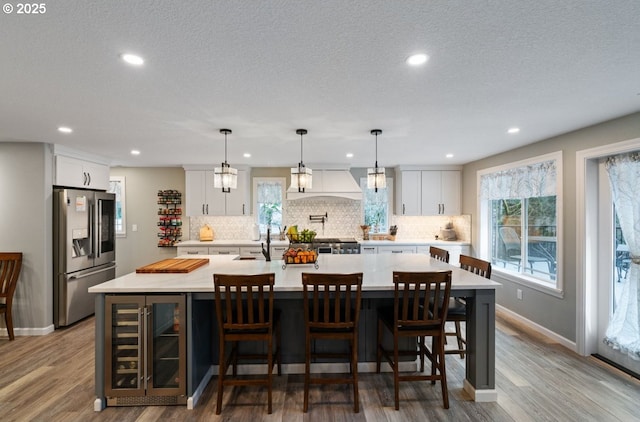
<point x="201" y="329"/>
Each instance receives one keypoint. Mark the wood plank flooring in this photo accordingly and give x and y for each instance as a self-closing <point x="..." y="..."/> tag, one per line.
<point x="51" y="378"/>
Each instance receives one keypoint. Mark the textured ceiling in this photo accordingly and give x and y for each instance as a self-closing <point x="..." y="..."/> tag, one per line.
<point x="334" y="67"/>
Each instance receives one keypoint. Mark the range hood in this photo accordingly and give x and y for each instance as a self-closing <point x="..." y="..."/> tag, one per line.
<point x="329" y="182"/>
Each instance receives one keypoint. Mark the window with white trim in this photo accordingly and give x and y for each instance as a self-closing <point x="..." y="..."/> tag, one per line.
<point x="117" y="186"/>
<point x="376" y="206"/>
<point x="268" y="200"/>
<point x="520" y="215"/>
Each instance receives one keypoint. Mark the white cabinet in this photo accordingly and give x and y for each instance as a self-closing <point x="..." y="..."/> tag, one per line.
<point x="251" y="252"/>
<point x="224" y="250"/>
<point x="428" y="192"/>
<point x="396" y="249"/>
<point x="72" y="172"/>
<point x="192" y="250"/>
<point x="368" y="249"/>
<point x="203" y="199"/>
<point x="441" y="192"/>
<point x="277" y="252"/>
<point x="454" y="251"/>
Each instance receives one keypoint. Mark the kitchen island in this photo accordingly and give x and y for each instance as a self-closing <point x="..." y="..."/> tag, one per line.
<point x="377" y="289"/>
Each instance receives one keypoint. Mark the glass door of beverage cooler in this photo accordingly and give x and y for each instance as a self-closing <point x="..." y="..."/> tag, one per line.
<point x="167" y="346"/>
<point x="125" y="346"/>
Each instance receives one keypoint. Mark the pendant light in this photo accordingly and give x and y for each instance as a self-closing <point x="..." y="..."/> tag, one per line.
<point x="375" y="176"/>
<point x="225" y="177"/>
<point x="301" y="176"/>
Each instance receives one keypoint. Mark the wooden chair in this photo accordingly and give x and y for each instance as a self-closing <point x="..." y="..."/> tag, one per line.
<point x="458" y="307"/>
<point x="332" y="312"/>
<point x="419" y="310"/>
<point x="245" y="312"/>
<point x="10" y="265"/>
<point x="439" y="254"/>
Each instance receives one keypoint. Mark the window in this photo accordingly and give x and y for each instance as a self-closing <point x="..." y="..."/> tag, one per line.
<point x="268" y="193"/>
<point x="376" y="209"/>
<point x="519" y="215"/>
<point x="117" y="186"/>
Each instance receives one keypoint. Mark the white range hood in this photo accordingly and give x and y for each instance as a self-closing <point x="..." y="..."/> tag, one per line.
<point x="329" y="182"/>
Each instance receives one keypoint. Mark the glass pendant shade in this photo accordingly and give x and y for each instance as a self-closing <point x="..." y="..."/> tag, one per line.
<point x="376" y="178"/>
<point x="301" y="176"/>
<point x="225" y="176"/>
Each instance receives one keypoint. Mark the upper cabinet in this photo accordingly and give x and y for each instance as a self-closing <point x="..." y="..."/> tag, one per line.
<point x="203" y="199"/>
<point x="76" y="173"/>
<point x="428" y="192"/>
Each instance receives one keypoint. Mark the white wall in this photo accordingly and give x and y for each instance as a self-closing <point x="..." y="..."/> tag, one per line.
<point x="555" y="314"/>
<point x="25" y="226"/>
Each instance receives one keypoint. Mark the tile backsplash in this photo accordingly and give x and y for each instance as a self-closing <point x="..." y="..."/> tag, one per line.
<point x="344" y="219"/>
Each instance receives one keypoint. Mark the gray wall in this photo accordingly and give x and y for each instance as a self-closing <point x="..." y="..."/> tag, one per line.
<point x="142" y="185"/>
<point x="25" y="226"/>
<point x="556" y="314"/>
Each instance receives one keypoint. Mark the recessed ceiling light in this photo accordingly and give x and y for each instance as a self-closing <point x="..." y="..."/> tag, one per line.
<point x="65" y="129"/>
<point x="133" y="59"/>
<point x="417" y="59"/>
<point x="135" y="152"/>
<point x="449" y="155"/>
<point x="246" y="155"/>
<point x="349" y="155"/>
<point x="513" y="130"/>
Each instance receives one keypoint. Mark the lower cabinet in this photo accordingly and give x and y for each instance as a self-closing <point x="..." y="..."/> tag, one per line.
<point x="454" y="251"/>
<point x="145" y="350"/>
<point x="396" y="249"/>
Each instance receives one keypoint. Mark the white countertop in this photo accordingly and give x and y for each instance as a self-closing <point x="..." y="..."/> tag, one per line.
<point x="377" y="273"/>
<point x="404" y="242"/>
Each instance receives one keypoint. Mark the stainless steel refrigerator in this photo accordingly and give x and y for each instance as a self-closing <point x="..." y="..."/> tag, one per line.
<point x="84" y="250"/>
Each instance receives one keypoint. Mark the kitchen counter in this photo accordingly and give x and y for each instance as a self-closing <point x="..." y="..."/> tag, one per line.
<point x="377" y="290"/>
<point x="232" y="243"/>
<point x="413" y="242"/>
<point x="403" y="242"/>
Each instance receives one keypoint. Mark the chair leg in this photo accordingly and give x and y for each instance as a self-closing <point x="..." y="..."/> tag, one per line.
<point x="459" y="339"/>
<point x="434" y="346"/>
<point x="379" y="348"/>
<point x="396" y="375"/>
<point x="269" y="373"/>
<point x="421" y="346"/>
<point x="443" y="373"/>
<point x="8" y="319"/>
<point x="221" y="373"/>
<point x="354" y="365"/>
<point x="307" y="370"/>
<point x="278" y="349"/>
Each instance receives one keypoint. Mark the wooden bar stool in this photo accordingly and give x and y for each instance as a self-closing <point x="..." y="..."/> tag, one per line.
<point x="458" y="306"/>
<point x="332" y="312"/>
<point x="245" y="312"/>
<point x="439" y="254"/>
<point x="10" y="265"/>
<point x="419" y="310"/>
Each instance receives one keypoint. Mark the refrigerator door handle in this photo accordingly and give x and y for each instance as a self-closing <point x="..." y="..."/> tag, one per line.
<point x="76" y="277"/>
<point x="99" y="228"/>
<point x="141" y="341"/>
<point x="146" y="346"/>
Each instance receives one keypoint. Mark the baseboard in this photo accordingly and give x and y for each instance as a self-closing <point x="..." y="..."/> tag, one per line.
<point x="571" y="345"/>
<point x="193" y="400"/>
<point x="483" y="396"/>
<point x="27" y="332"/>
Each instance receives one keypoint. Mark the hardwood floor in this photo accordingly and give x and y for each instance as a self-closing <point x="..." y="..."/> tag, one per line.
<point x="51" y="378"/>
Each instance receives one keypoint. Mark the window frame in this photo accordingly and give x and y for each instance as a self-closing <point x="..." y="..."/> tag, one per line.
<point x="255" y="182"/>
<point x="120" y="198"/>
<point x="363" y="186"/>
<point x="484" y="244"/>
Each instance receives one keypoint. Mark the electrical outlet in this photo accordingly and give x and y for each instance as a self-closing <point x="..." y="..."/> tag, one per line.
<point x="134" y="227"/>
<point x="519" y="294"/>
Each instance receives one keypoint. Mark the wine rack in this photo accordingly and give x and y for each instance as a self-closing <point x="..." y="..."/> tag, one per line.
<point x="169" y="217"/>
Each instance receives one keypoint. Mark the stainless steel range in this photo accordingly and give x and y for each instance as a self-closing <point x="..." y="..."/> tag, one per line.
<point x="336" y="245"/>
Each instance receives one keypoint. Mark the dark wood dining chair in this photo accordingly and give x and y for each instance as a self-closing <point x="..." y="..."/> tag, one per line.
<point x="458" y="306"/>
<point x="439" y="254"/>
<point x="420" y="304"/>
<point x="245" y="312"/>
<point x="10" y="265"/>
<point x="331" y="312"/>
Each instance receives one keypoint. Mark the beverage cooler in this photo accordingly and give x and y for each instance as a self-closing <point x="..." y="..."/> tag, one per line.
<point x="145" y="350"/>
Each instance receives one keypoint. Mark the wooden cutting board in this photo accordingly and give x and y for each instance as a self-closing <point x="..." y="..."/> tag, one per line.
<point x="173" y="265"/>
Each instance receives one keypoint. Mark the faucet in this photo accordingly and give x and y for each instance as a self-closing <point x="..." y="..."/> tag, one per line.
<point x="267" y="252"/>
